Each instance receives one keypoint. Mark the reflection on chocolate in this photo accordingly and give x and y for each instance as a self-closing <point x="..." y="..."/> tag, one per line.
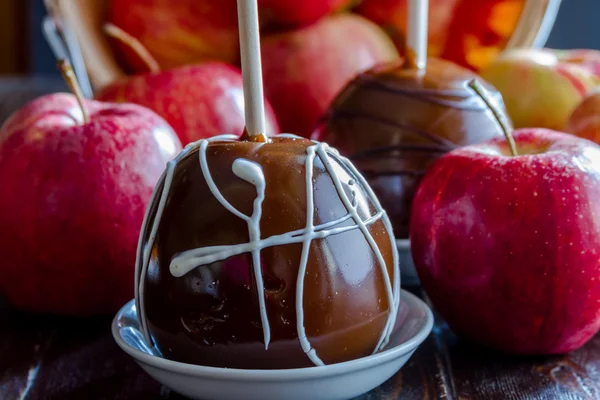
<point x="393" y="122"/>
<point x="265" y="255"/>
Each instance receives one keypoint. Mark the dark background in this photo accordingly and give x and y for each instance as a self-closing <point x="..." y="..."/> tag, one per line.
<point x="577" y="26"/>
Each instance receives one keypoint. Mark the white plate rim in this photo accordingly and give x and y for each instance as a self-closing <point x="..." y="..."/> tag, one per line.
<point x="403" y="244"/>
<point x="216" y="373"/>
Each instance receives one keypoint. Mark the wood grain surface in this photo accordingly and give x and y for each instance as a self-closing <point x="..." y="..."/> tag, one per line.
<point x="51" y="358"/>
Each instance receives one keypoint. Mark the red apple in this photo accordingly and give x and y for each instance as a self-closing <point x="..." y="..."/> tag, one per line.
<point x="507" y="247"/>
<point x="470" y="33"/>
<point x="185" y="32"/>
<point x="305" y="69"/>
<point x="198" y="101"/>
<point x="586" y="58"/>
<point x="179" y="32"/>
<point x="73" y="198"/>
<point x="392" y="16"/>
<point x="480" y="30"/>
<point x="585" y="120"/>
<point x="294" y="13"/>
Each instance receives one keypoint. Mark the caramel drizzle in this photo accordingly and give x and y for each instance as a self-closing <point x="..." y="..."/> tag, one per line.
<point x="142" y="262"/>
<point x="438" y="143"/>
<point x="252" y="173"/>
<point x="454" y="98"/>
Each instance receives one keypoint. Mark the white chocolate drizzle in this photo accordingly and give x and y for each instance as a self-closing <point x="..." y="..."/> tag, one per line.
<point x="252" y="173"/>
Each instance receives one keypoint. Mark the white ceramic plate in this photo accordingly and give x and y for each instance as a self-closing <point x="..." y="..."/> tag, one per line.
<point x="339" y="381"/>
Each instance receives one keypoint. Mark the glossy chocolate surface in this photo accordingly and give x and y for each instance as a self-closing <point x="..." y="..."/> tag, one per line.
<point x="393" y="123"/>
<point x="210" y="315"/>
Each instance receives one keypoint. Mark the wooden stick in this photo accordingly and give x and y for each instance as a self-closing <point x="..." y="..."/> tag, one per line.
<point x="416" y="38"/>
<point x="251" y="68"/>
<point x="71" y="80"/>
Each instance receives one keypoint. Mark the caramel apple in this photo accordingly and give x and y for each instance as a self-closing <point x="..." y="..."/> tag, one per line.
<point x="265" y="253"/>
<point x="395" y="120"/>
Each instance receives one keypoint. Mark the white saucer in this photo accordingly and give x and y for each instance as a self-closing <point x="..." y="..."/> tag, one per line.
<point x="332" y="382"/>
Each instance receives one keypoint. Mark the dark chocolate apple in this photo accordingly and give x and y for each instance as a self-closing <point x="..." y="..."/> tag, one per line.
<point x="265" y="255"/>
<point x="394" y="121"/>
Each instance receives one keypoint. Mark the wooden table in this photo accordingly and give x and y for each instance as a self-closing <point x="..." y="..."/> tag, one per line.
<point x="51" y="358"/>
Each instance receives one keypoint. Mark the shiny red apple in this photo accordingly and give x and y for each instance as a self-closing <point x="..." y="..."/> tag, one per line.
<point x="198" y="101"/>
<point x="507" y="247"/>
<point x="305" y="69"/>
<point x="72" y="201"/>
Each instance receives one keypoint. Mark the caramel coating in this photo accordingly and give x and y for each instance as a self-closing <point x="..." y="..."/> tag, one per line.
<point x="394" y="122"/>
<point x="210" y="316"/>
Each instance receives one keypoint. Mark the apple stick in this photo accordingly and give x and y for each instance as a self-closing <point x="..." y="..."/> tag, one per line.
<point x="71" y="80"/>
<point x="251" y="68"/>
<point x="416" y="38"/>
<point x="499" y="115"/>
<point x="135" y="45"/>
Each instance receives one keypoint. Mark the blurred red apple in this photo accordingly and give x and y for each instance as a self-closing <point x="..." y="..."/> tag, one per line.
<point x="305" y="69"/>
<point x="586" y="58"/>
<point x="185" y="32"/>
<point x="585" y="120"/>
<point x="198" y="101"/>
<point x="480" y="31"/>
<point x="507" y="247"/>
<point x="294" y="13"/>
<point x="73" y="198"/>
<point x="179" y="32"/>
<point x="391" y="15"/>
<point x="539" y="89"/>
<point x="470" y="33"/>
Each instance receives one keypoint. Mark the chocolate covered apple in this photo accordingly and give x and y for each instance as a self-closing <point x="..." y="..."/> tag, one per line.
<point x="268" y="254"/>
<point x="265" y="252"/>
<point x="396" y="119"/>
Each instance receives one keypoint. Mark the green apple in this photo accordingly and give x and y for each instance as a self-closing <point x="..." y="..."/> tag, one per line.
<point x="540" y="89"/>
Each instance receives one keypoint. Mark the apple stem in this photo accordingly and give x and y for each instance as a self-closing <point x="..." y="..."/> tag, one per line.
<point x="71" y="80"/>
<point x="254" y="103"/>
<point x="498" y="114"/>
<point x="134" y="44"/>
